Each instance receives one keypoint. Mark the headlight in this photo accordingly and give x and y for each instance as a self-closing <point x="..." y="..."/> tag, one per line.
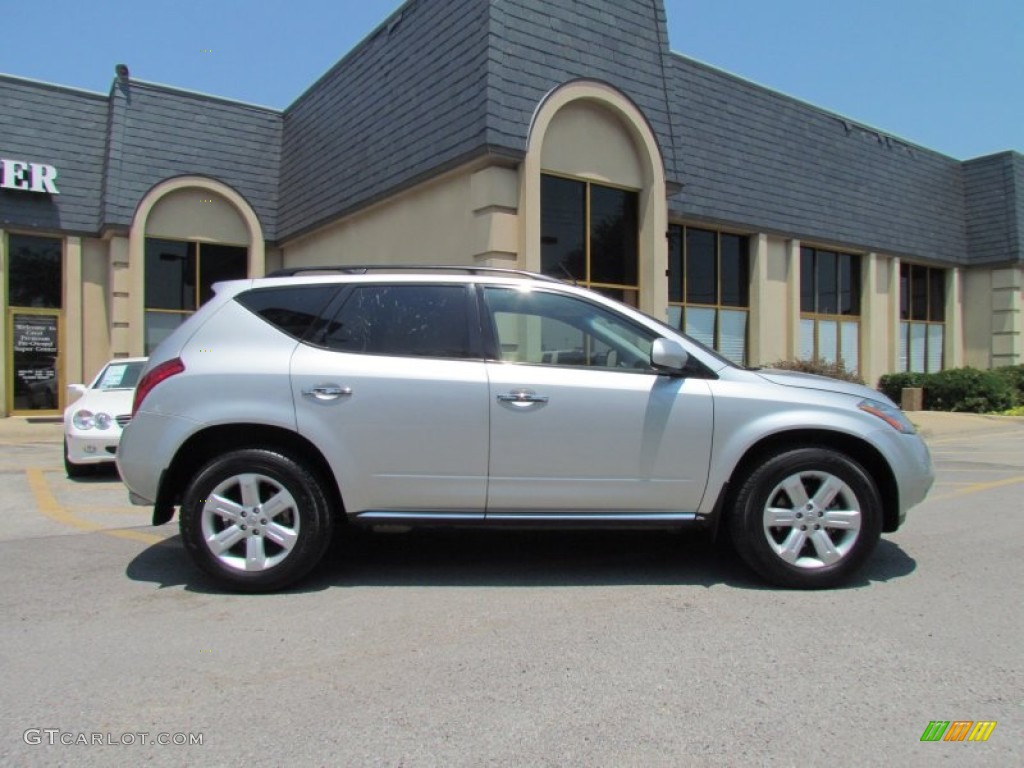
<point x="83" y="419"/>
<point x="102" y="420"/>
<point x="894" y="417"/>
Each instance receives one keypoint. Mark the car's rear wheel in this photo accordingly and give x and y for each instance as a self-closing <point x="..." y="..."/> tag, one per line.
<point x="255" y="520"/>
<point x="75" y="471"/>
<point x="806" y="518"/>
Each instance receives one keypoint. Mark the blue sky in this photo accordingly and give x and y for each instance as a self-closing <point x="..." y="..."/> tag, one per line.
<point x="946" y="74"/>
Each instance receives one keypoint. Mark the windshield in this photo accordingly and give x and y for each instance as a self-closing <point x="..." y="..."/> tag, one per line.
<point x="119" y="376"/>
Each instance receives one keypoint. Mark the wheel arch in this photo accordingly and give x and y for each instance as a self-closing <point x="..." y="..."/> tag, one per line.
<point x="856" y="448"/>
<point x="219" y="439"/>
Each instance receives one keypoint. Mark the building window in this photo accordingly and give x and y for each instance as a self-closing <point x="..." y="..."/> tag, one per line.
<point x="33" y="323"/>
<point x="922" y="318"/>
<point x="830" y="307"/>
<point x="179" y="279"/>
<point x="34" y="272"/>
<point x="709" y="288"/>
<point x="590" y="234"/>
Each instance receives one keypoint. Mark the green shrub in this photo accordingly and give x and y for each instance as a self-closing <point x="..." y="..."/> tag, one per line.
<point x="1015" y="375"/>
<point x="834" y="370"/>
<point x="969" y="390"/>
<point x="961" y="389"/>
<point x="892" y="384"/>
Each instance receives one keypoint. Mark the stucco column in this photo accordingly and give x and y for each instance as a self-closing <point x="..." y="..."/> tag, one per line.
<point x="876" y="338"/>
<point x="121" y="299"/>
<point x="894" y="317"/>
<point x="4" y="359"/>
<point x="792" y="299"/>
<point x="1007" y="316"/>
<point x="71" y="344"/>
<point x="494" y="193"/>
<point x="953" y="339"/>
<point x="758" y="320"/>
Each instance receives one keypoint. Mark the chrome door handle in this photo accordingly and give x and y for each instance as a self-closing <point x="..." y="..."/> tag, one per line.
<point x="522" y="397"/>
<point x="327" y="391"/>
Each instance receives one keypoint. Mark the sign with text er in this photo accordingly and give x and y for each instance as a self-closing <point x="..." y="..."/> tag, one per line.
<point x="28" y="177"/>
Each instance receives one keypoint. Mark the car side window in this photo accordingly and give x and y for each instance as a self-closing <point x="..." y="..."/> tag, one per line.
<point x="403" y="320"/>
<point x="291" y="309"/>
<point x="551" y="329"/>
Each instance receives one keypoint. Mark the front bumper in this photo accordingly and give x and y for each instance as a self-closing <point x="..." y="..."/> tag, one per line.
<point x="92" y="447"/>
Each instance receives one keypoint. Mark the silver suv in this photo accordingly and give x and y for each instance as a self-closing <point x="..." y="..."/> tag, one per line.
<point x="295" y="404"/>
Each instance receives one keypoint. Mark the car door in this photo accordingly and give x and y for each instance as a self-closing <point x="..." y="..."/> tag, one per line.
<point x="394" y="390"/>
<point x="580" y="423"/>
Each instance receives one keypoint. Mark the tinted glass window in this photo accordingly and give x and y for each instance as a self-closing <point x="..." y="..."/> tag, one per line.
<point x="170" y="274"/>
<point x="563" y="227"/>
<point x="34" y="272"/>
<point x="220" y="262"/>
<point x="849" y="284"/>
<point x="918" y="292"/>
<point x="613" y="236"/>
<point x="735" y="271"/>
<point x="937" y="295"/>
<point x="807" y="280"/>
<point x="701" y="272"/>
<point x="828" y="283"/>
<point x="549" y="329"/>
<point x="403" y="320"/>
<point x="675" y="263"/>
<point x="291" y="309"/>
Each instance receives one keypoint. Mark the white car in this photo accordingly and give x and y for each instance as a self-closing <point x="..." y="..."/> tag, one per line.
<point x="93" y="423"/>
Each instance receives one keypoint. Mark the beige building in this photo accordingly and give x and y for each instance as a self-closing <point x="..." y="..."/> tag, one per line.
<point x="762" y="226"/>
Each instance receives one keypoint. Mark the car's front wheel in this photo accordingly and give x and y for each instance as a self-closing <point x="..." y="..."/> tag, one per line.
<point x="806" y="518"/>
<point x="255" y="520"/>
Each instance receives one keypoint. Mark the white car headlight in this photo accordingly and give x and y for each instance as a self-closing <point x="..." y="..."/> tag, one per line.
<point x="894" y="417"/>
<point x="83" y="419"/>
<point x="102" y="420"/>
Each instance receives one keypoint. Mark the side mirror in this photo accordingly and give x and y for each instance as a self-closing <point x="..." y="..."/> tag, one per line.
<point x="669" y="356"/>
<point x="75" y="391"/>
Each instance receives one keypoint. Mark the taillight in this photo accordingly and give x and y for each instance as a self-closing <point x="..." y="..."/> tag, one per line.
<point x="154" y="377"/>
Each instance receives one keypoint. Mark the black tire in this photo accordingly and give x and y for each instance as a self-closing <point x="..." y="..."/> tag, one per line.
<point x="834" y="525"/>
<point x="255" y="561"/>
<point x="76" y="471"/>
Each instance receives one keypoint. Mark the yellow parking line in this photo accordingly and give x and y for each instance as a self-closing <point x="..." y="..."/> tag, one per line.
<point x="979" y="487"/>
<point x="98" y="510"/>
<point x="47" y="503"/>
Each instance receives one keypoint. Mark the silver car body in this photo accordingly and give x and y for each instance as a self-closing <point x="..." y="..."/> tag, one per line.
<point x="432" y="439"/>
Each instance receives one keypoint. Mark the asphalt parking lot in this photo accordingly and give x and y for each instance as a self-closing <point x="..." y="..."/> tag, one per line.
<point x="535" y="649"/>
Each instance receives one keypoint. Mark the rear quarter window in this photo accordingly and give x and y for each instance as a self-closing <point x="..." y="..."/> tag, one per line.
<point x="291" y="309"/>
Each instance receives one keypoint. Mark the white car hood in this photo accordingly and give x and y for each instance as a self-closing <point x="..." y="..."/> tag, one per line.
<point x="812" y="381"/>
<point x="116" y="402"/>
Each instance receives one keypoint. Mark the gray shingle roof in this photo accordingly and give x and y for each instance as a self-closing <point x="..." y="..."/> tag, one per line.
<point x="158" y="132"/>
<point x="755" y="158"/>
<point x="441" y="82"/>
<point x="538" y="45"/>
<point x="62" y="127"/>
<point x="994" y="188"/>
<point x="409" y="99"/>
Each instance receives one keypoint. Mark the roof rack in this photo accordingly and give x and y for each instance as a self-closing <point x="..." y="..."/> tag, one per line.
<point x="362" y="269"/>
